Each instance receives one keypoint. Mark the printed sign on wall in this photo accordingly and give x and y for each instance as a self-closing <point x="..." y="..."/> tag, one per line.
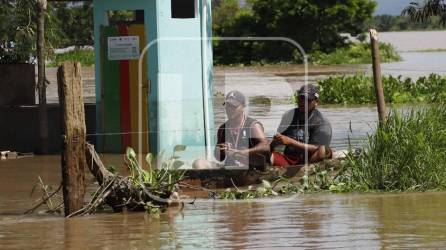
<point x="123" y="48"/>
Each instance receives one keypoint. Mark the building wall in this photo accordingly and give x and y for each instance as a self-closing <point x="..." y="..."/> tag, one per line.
<point x="17" y="84"/>
<point x="176" y="103"/>
<point x="181" y="115"/>
<point x="19" y="127"/>
<point x="150" y="20"/>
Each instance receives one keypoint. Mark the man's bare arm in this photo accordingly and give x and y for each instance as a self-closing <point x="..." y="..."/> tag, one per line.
<point x="299" y="146"/>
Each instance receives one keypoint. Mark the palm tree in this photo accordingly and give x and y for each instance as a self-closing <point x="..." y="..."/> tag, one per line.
<point x="422" y="12"/>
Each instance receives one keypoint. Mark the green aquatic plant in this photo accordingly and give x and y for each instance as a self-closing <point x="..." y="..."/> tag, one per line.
<point x="161" y="180"/>
<point x="112" y="169"/>
<point x="324" y="177"/>
<point x="264" y="190"/>
<point x="406" y="153"/>
<point x="359" y="89"/>
<point x="152" y="189"/>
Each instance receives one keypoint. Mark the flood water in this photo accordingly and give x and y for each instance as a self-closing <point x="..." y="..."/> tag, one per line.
<point x="311" y="221"/>
<point x="269" y="90"/>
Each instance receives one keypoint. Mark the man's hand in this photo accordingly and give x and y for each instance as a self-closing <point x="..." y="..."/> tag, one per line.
<point x="237" y="153"/>
<point x="282" y="139"/>
<point x="224" y="147"/>
<point x="221" y="150"/>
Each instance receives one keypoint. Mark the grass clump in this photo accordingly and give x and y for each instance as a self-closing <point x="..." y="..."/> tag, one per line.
<point x="407" y="153"/>
<point x="84" y="56"/>
<point x="358" y="53"/>
<point x="359" y="89"/>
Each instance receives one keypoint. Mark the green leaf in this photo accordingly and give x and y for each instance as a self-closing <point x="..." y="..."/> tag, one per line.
<point x="266" y="184"/>
<point x="149" y="159"/>
<point x="111" y="169"/>
<point x="130" y="153"/>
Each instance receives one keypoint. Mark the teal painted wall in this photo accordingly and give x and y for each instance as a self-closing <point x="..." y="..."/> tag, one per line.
<point x="180" y="82"/>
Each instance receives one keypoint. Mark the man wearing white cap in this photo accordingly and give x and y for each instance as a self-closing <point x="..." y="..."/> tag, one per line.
<point x="240" y="140"/>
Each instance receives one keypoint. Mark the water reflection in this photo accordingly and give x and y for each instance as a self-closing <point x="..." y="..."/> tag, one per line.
<point x="410" y="220"/>
<point x="309" y="221"/>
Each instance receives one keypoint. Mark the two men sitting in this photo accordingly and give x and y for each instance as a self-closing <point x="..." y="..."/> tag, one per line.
<point x="303" y="131"/>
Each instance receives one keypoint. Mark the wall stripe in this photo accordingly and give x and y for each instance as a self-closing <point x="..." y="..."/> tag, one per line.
<point x="125" y="96"/>
<point x="111" y="97"/>
<point x="138" y="30"/>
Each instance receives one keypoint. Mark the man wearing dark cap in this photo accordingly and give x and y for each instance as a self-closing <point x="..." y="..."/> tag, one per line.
<point x="297" y="138"/>
<point x="240" y="140"/>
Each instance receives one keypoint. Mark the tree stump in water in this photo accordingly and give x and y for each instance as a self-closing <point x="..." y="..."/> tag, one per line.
<point x="70" y="90"/>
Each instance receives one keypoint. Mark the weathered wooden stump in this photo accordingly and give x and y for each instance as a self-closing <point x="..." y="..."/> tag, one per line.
<point x="70" y="90"/>
<point x="379" y="91"/>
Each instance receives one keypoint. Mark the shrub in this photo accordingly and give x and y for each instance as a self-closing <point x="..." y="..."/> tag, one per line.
<point x="85" y="57"/>
<point x="359" y="89"/>
<point x="359" y="53"/>
<point x="406" y="153"/>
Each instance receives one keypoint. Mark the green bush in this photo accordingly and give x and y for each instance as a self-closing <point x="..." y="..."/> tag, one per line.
<point x="315" y="25"/>
<point x="85" y="57"/>
<point x="359" y="53"/>
<point x="406" y="153"/>
<point x="403" y="23"/>
<point x="359" y="89"/>
<point x="18" y="29"/>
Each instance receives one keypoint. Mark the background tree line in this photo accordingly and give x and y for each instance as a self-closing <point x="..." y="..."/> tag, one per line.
<point x="65" y="25"/>
<point x="403" y="23"/>
<point x="315" y="24"/>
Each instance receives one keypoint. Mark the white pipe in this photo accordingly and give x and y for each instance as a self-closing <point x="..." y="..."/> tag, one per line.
<point x="205" y="79"/>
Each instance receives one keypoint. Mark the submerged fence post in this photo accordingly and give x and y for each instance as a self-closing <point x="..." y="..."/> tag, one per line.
<point x="41" y="85"/>
<point x="382" y="115"/>
<point x="71" y="102"/>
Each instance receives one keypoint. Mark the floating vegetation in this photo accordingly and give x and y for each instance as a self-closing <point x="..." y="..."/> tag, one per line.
<point x="152" y="190"/>
<point x="322" y="177"/>
<point x="359" y="89"/>
<point x="265" y="190"/>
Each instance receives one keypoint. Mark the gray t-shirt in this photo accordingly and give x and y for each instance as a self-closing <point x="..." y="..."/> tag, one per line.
<point x="293" y="126"/>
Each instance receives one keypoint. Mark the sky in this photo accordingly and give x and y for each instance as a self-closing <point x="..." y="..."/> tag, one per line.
<point x="391" y="7"/>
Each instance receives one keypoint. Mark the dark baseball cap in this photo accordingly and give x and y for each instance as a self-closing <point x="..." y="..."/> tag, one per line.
<point x="235" y="98"/>
<point x="309" y="90"/>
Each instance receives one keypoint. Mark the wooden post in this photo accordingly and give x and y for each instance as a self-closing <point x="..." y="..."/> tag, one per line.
<point x="73" y="126"/>
<point x="382" y="115"/>
<point x="41" y="6"/>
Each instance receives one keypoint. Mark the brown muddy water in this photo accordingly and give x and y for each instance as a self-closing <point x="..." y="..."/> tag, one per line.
<point x="310" y="221"/>
<point x="269" y="89"/>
